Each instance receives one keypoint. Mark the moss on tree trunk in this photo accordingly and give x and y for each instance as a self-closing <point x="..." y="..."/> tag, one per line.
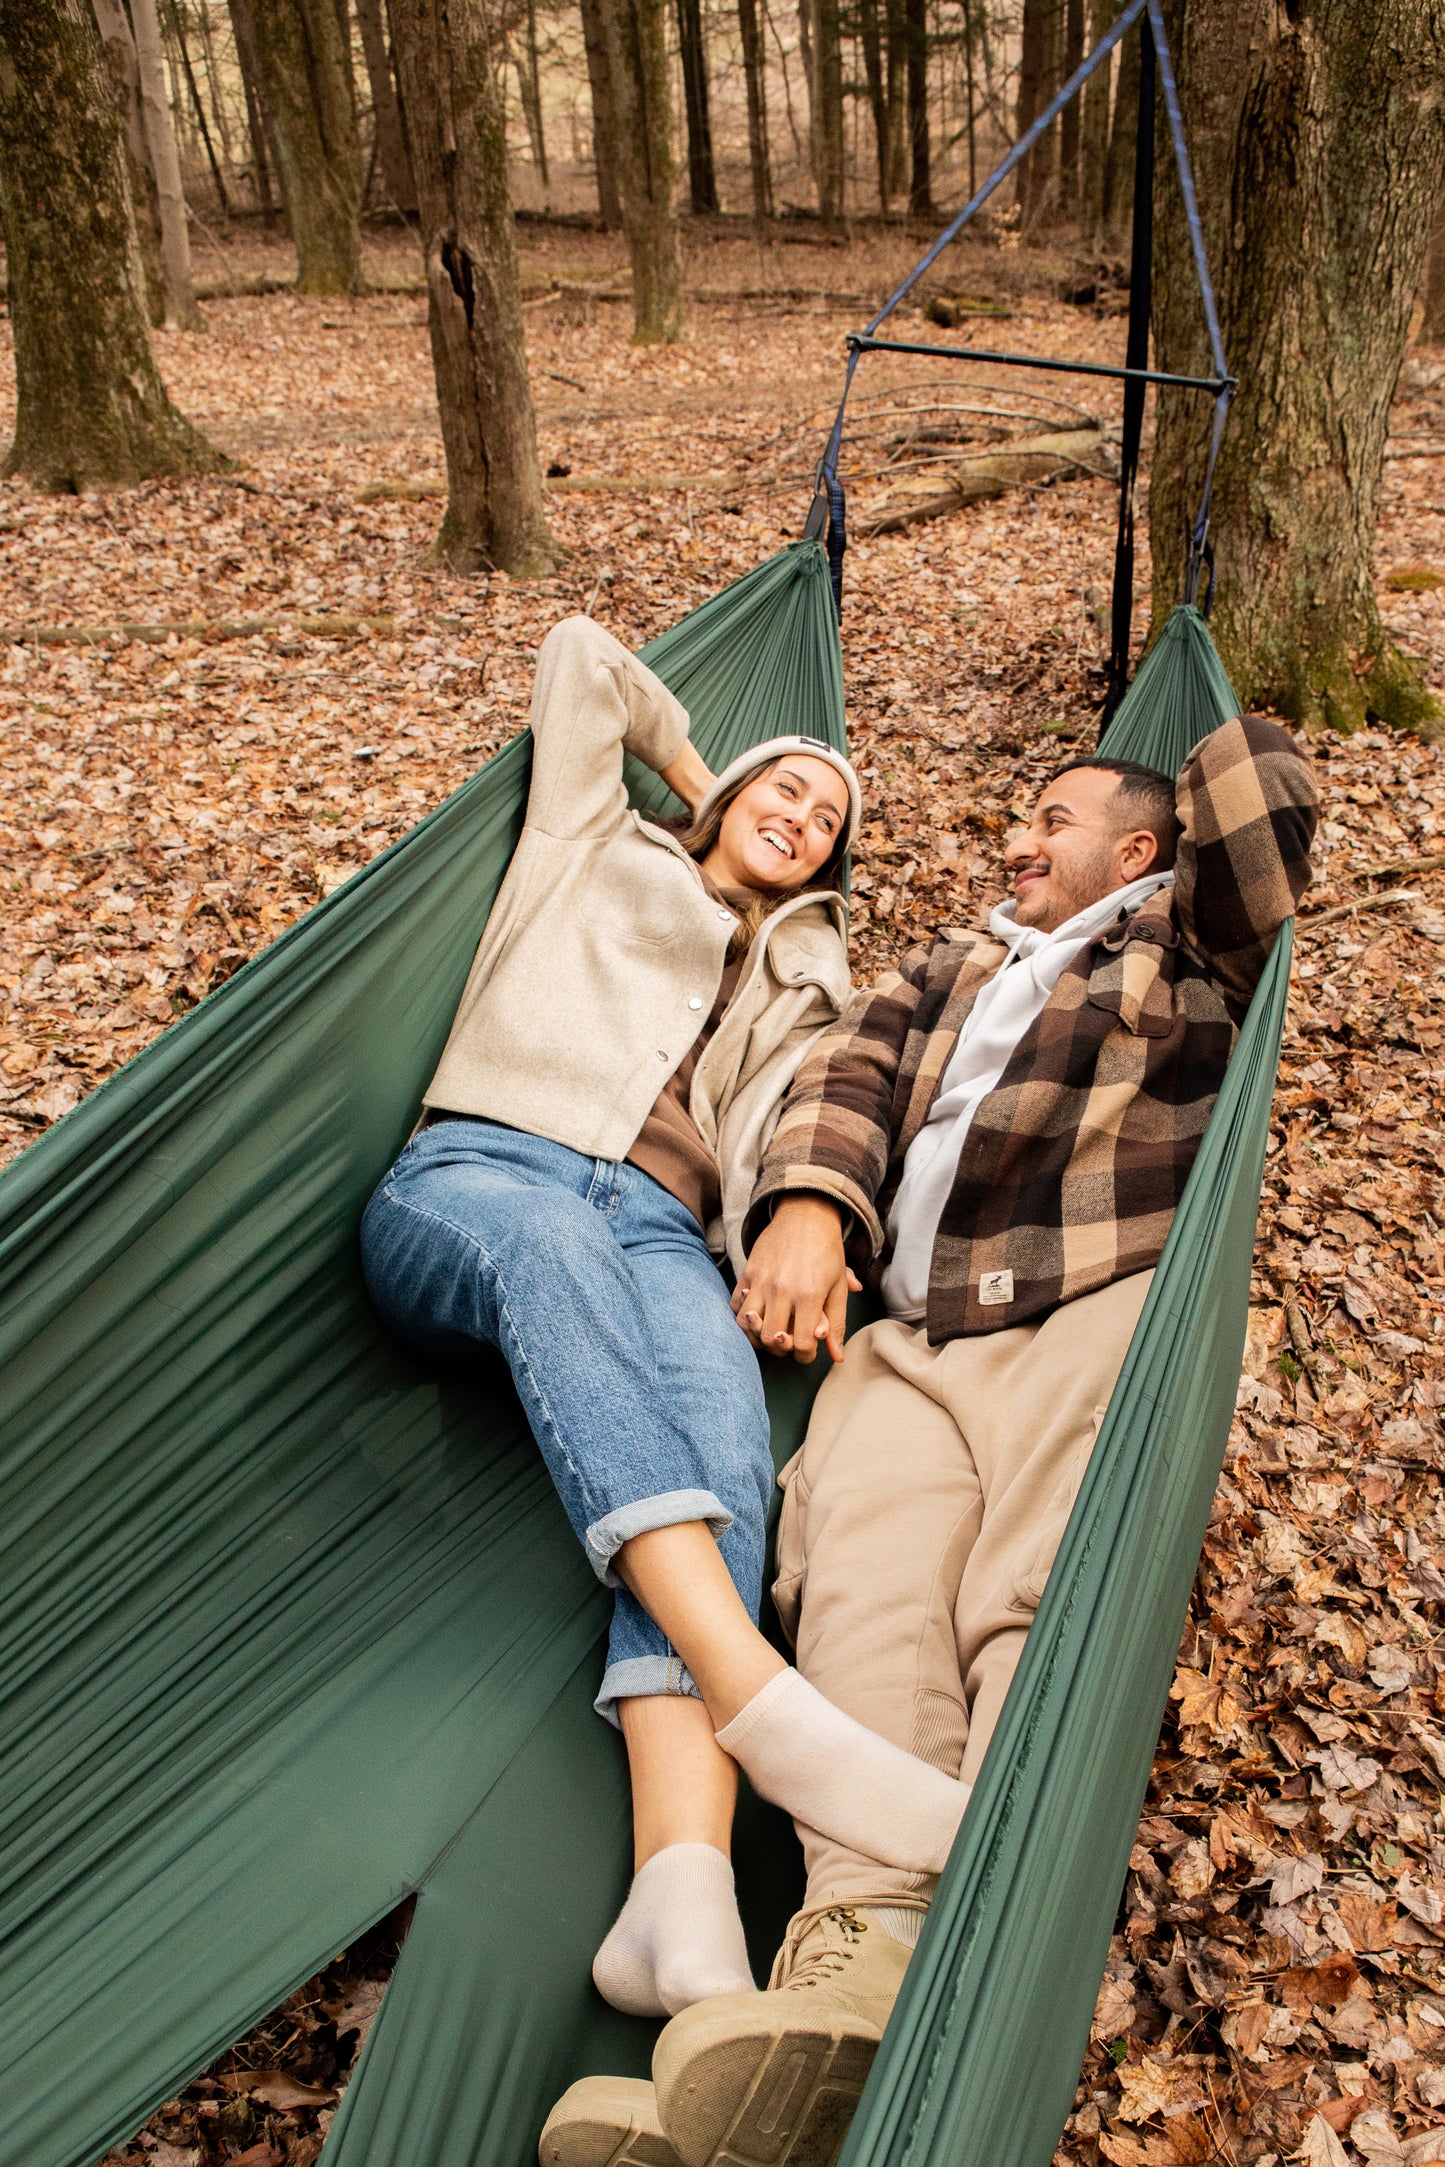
<point x="310" y="100"/>
<point x="1317" y="135"/>
<point x="451" y="93"/>
<point x="91" y="408"/>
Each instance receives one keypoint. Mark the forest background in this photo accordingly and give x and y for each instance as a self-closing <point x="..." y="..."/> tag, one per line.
<point x="322" y="416"/>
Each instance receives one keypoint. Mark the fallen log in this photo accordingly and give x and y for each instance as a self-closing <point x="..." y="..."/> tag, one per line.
<point x="946" y="486"/>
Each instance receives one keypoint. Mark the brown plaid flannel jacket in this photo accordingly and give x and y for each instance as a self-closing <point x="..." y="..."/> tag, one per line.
<point x="1074" y="1164"/>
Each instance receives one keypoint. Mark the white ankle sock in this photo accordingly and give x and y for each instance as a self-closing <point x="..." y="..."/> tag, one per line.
<point x="678" y="1938"/>
<point x="844" y="1780"/>
<point x="898" y="1923"/>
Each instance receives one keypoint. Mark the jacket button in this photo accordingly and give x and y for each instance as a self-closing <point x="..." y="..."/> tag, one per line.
<point x="660" y="1054"/>
<point x="694" y="1002"/>
<point x="725" y="914"/>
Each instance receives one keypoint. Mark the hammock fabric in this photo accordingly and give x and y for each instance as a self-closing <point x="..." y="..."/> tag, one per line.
<point x="292" y="1628"/>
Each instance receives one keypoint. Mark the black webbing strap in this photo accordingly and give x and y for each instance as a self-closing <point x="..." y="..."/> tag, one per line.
<point x="1141" y="274"/>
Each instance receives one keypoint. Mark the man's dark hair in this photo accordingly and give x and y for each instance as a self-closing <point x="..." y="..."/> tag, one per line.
<point x="1148" y="795"/>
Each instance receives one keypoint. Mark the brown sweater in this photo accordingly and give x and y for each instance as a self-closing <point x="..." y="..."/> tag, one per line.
<point x="669" y="1146"/>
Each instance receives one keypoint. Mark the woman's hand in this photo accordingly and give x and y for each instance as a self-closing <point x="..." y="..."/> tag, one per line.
<point x="795" y="1285"/>
<point x="689" y="776"/>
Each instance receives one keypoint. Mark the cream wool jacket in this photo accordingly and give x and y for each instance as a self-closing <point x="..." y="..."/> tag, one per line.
<point x="603" y="954"/>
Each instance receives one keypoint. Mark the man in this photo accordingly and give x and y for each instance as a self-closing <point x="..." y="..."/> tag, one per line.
<point x="1002" y="1128"/>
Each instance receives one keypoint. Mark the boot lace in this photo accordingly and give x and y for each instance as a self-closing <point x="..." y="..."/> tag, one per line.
<point x="834" y="1950"/>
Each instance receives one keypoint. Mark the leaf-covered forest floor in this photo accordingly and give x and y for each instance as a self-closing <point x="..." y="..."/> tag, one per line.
<point x="172" y="800"/>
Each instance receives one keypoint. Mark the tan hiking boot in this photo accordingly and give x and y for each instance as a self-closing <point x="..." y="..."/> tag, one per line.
<point x="771" y="2080"/>
<point x="605" y="2122"/>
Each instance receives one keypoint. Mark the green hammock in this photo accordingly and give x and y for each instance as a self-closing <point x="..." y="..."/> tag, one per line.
<point x="291" y="1628"/>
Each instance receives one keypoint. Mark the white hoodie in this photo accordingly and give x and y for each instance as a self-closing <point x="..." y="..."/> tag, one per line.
<point x="1000" y="1016"/>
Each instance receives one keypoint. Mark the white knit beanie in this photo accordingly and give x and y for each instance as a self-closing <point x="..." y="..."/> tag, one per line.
<point x="777" y="748"/>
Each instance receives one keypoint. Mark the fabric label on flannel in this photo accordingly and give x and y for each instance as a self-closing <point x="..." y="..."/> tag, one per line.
<point x="995" y="1288"/>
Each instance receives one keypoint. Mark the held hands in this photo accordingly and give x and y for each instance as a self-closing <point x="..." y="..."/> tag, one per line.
<point x="689" y="777"/>
<point x="795" y="1285"/>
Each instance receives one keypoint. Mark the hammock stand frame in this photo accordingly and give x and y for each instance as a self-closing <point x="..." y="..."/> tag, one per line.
<point x="827" y="515"/>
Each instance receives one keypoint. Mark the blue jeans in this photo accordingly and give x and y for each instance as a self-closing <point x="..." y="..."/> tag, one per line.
<point x="598" y="1289"/>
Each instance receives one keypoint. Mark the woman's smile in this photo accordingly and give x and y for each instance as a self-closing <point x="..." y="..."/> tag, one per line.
<point x="783" y="828"/>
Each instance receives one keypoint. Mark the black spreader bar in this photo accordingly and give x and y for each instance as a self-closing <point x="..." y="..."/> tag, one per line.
<point x="860" y="343"/>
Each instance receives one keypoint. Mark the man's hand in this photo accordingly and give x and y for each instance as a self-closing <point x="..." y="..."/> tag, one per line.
<point x="795" y="1285"/>
<point x="689" y="777"/>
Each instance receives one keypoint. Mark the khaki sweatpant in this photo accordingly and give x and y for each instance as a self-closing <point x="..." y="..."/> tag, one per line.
<point x="920" y="1520"/>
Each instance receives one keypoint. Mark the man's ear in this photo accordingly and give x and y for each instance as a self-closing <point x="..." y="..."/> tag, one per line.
<point x="1138" y="854"/>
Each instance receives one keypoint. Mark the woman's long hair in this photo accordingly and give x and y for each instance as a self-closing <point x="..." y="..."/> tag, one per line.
<point x="698" y="837"/>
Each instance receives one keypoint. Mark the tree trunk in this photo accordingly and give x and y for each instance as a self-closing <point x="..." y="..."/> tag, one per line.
<point x="1119" y="166"/>
<point x="1040" y="55"/>
<point x="391" y="147"/>
<point x="115" y="35"/>
<point x="450" y="79"/>
<point x="258" y="120"/>
<point x="91" y="409"/>
<point x="218" y="103"/>
<point x="755" y="75"/>
<point x="1432" y="325"/>
<point x="165" y="162"/>
<point x="825" y="90"/>
<point x="871" y="39"/>
<point x="223" y="197"/>
<point x="604" y="115"/>
<point x="701" y="178"/>
<point x="637" y="63"/>
<point x="534" y="78"/>
<point x="1095" y="121"/>
<point x="920" y="161"/>
<point x="1071" y="119"/>
<point x="1318" y="139"/>
<point x="895" y="90"/>
<point x="306" y="79"/>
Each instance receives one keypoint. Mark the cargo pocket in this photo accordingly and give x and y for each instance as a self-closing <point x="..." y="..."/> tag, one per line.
<point x="1037" y="1557"/>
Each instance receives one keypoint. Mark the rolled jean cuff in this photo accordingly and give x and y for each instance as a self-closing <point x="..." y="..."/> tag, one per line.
<point x="674" y="1508"/>
<point x="641" y="1677"/>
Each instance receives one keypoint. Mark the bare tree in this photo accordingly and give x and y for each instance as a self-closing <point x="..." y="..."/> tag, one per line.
<point x="826" y="93"/>
<point x="692" y="49"/>
<point x="392" y="154"/>
<point x="1119" y="165"/>
<point x="920" y="156"/>
<point x="637" y="65"/>
<point x="1318" y="137"/>
<point x="1041" y="47"/>
<point x="91" y="408"/>
<point x="115" y="33"/>
<point x="604" y="114"/>
<point x="755" y="74"/>
<point x="1071" y="119"/>
<point x="258" y="120"/>
<point x="870" y="38"/>
<point x="160" y="136"/>
<point x="1432" y="324"/>
<point x="1095" y="121"/>
<point x="449" y="74"/>
<point x="306" y="80"/>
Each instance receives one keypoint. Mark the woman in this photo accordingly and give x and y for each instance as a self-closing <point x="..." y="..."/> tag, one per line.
<point x="631" y="1022"/>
